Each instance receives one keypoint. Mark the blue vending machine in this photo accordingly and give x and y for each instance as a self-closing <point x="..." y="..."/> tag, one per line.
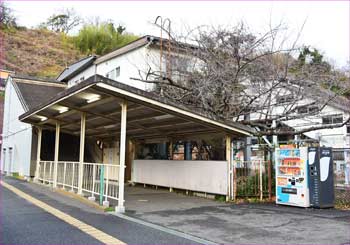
<point x="292" y="176"/>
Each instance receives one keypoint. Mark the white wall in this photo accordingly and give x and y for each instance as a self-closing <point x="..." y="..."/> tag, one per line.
<point x="90" y="71"/>
<point x="130" y="64"/>
<point x="16" y="134"/>
<point x="202" y="176"/>
<point x="335" y="137"/>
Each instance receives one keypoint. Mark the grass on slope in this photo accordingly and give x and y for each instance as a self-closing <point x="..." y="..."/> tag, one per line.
<point x="36" y="52"/>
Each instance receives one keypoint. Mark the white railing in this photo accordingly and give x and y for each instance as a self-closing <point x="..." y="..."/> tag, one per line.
<point x="101" y="179"/>
<point x="68" y="175"/>
<point x="45" y="173"/>
<point x="98" y="179"/>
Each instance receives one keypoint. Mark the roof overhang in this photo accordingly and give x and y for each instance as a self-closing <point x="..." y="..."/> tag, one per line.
<point x="148" y="116"/>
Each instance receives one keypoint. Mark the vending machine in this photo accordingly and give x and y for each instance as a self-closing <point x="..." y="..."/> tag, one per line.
<point x="304" y="176"/>
<point x="320" y="163"/>
<point x="292" y="176"/>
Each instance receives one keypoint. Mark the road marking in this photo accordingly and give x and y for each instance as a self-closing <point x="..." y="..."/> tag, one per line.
<point x="88" y="229"/>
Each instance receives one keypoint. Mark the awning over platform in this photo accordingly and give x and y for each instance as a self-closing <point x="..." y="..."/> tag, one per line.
<point x="148" y="115"/>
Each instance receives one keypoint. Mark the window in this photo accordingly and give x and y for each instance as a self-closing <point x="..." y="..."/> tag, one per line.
<point x="284" y="98"/>
<point x="72" y="83"/>
<point x="114" y="74"/>
<point x="338" y="155"/>
<point x="313" y="109"/>
<point x="348" y="129"/>
<point x="310" y="109"/>
<point x="333" y="119"/>
<point x="338" y="119"/>
<point x="303" y="110"/>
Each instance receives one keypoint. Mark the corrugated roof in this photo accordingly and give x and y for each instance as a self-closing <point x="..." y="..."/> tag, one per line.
<point x="140" y="95"/>
<point x="32" y="91"/>
<point x="75" y="68"/>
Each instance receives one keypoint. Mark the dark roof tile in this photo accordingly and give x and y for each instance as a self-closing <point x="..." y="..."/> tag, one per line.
<point x="75" y="68"/>
<point x="34" y="92"/>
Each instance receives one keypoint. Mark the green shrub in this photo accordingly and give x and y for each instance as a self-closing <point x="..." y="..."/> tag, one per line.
<point x="101" y="38"/>
<point x="220" y="198"/>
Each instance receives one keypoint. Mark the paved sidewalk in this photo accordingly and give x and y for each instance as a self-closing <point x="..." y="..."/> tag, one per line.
<point x="12" y="217"/>
<point x="206" y="219"/>
<point x="255" y="223"/>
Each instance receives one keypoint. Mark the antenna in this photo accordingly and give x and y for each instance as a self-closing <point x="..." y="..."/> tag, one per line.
<point x="168" y="70"/>
<point x="161" y="43"/>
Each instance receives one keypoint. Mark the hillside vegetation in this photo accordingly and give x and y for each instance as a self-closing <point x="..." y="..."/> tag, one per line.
<point x="44" y="51"/>
<point x="37" y="52"/>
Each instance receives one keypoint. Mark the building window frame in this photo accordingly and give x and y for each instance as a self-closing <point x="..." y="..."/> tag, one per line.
<point x="332" y="119"/>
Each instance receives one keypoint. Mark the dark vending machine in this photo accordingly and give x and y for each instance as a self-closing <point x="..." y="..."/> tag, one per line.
<point x="320" y="172"/>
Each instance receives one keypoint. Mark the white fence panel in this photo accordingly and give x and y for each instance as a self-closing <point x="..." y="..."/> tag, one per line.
<point x="203" y="176"/>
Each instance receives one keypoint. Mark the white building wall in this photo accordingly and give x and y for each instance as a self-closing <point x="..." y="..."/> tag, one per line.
<point x="16" y="134"/>
<point x="130" y="63"/>
<point x="90" y="71"/>
<point x="139" y="60"/>
<point x="335" y="137"/>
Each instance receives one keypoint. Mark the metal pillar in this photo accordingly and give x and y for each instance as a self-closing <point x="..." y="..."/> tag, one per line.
<point x="188" y="150"/>
<point x="38" y="154"/>
<point x="163" y="150"/>
<point x="81" y="152"/>
<point x="171" y="149"/>
<point x="121" y="208"/>
<point x="274" y="137"/>
<point x="57" y="145"/>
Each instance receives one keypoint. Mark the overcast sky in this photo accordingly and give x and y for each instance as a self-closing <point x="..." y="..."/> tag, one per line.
<point x="327" y="23"/>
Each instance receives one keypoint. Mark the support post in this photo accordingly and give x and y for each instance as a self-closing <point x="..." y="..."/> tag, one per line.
<point x="260" y="180"/>
<point x="57" y="145"/>
<point x="234" y="182"/>
<point x="38" y="154"/>
<point x="229" y="166"/>
<point x="81" y="153"/>
<point x="171" y="149"/>
<point x="121" y="208"/>
<point x="269" y="176"/>
<point x="188" y="150"/>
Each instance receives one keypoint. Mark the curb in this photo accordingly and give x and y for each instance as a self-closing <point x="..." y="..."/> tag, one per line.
<point x="74" y="196"/>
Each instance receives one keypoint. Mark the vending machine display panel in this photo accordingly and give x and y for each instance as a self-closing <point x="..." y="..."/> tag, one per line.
<point x="291" y="177"/>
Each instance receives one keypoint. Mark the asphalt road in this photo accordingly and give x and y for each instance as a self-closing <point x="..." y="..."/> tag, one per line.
<point x="24" y="223"/>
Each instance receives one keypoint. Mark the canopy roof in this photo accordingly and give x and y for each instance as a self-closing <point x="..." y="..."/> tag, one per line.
<point x="34" y="91"/>
<point x="148" y="115"/>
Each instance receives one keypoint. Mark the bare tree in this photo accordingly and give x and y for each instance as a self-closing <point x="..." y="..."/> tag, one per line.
<point x="64" y="21"/>
<point x="235" y="74"/>
<point x="7" y="19"/>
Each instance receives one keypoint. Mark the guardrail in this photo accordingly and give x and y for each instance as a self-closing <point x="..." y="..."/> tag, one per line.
<point x="97" y="178"/>
<point x="101" y="179"/>
<point x="45" y="173"/>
